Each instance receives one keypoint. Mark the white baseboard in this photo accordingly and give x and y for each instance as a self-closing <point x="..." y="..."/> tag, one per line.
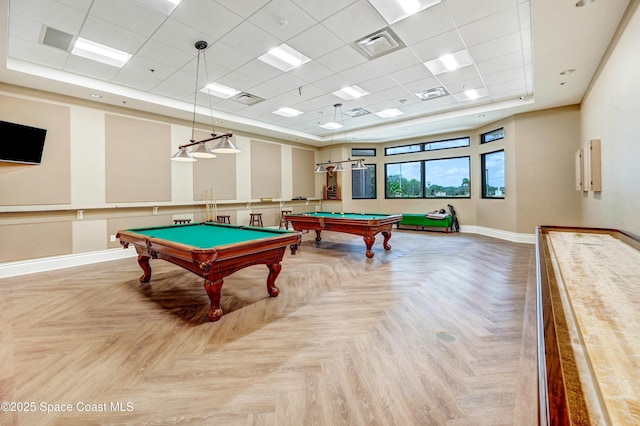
<point x="31" y="266"/>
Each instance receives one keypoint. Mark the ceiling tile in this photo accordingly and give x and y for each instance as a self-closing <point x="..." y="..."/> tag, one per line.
<point x="282" y="19"/>
<point x="166" y="55"/>
<point x="244" y="8"/>
<point x="462" y="13"/>
<point x="178" y="35"/>
<point x="207" y="17"/>
<point x="36" y="53"/>
<point x="55" y="15"/>
<point x="323" y="9"/>
<point x="491" y="27"/>
<point x="315" y="42"/>
<point x="82" y="66"/>
<point x="342" y="59"/>
<point x="423" y="25"/>
<point x="128" y="14"/>
<point x="111" y="35"/>
<point x="495" y="48"/>
<point x="250" y="39"/>
<point x="355" y="22"/>
<point x="437" y="46"/>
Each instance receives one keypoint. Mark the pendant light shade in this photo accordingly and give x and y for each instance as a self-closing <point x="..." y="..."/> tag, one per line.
<point x="225" y="146"/>
<point x="202" y="151"/>
<point x="183" y="156"/>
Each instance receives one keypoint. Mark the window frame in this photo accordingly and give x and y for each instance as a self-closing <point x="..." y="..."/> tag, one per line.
<point x="483" y="136"/>
<point x="386" y="177"/>
<point x="467" y="138"/>
<point x="424" y="177"/>
<point x="483" y="177"/>
<point x="355" y="154"/>
<point x="374" y="180"/>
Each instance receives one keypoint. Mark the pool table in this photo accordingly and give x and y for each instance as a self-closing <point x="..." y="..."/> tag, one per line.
<point x="213" y="251"/>
<point x="365" y="224"/>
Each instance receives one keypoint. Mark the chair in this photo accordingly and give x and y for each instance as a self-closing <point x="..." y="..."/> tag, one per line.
<point x="223" y="219"/>
<point x="181" y="221"/>
<point x="283" y="222"/>
<point x="256" y="220"/>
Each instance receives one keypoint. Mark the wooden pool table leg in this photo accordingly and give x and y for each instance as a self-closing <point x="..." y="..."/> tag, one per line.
<point x="387" y="237"/>
<point x="274" y="271"/>
<point x="318" y="239"/>
<point x="213" y="288"/>
<point x="369" y="240"/>
<point x="143" y="261"/>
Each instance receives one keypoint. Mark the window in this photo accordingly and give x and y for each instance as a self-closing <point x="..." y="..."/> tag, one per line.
<point x="447" y="178"/>
<point x="403" y="180"/>
<point x="450" y="143"/>
<point x="363" y="183"/>
<point x="363" y="152"/>
<point x="493" y="135"/>
<point x="493" y="174"/>
<point x="403" y="149"/>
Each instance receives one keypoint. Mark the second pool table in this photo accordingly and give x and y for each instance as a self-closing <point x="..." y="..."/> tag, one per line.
<point x="365" y="224"/>
<point x="212" y="251"/>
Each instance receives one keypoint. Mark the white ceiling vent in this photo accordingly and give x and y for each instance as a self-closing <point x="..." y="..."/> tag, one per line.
<point x="55" y="38"/>
<point x="246" y="98"/>
<point x="428" y="94"/>
<point x="379" y="43"/>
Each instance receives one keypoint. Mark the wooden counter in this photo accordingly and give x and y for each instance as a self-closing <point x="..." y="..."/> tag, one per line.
<point x="588" y="326"/>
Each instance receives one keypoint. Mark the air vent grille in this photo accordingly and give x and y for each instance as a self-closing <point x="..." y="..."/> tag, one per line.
<point x="379" y="43"/>
<point x="247" y="98"/>
<point x="429" y="94"/>
<point x="56" y="38"/>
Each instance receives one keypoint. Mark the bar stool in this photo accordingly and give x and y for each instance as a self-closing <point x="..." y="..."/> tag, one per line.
<point x="283" y="222"/>
<point x="181" y="221"/>
<point x="256" y="220"/>
<point x="223" y="219"/>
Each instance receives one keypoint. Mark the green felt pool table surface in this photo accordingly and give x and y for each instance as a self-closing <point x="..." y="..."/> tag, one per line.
<point x="208" y="235"/>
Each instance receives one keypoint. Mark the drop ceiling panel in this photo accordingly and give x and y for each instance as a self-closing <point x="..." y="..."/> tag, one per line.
<point x="505" y="45"/>
<point x="320" y="10"/>
<point x="36" y="53"/>
<point x="354" y="22"/>
<point x="282" y="19"/>
<point x="112" y="35"/>
<point x="491" y="27"/>
<point x="342" y="59"/>
<point x="463" y="14"/>
<point x="250" y="40"/>
<point x="437" y="46"/>
<point x="128" y="15"/>
<point x="426" y="24"/>
<point x="315" y="42"/>
<point x="207" y="17"/>
<point x="56" y="15"/>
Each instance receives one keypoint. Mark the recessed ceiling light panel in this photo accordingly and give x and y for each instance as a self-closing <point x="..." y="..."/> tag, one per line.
<point x="471" y="94"/>
<point x="219" y="90"/>
<point x="350" y="92"/>
<point x="331" y="126"/>
<point x="288" y="112"/>
<point x="284" y="58"/>
<point x="100" y="53"/>
<point x="388" y="113"/>
<point x="449" y="62"/>
<point x="396" y="10"/>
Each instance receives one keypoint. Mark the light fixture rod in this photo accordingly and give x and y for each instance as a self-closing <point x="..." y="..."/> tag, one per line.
<point x="350" y="160"/>
<point x="193" y="142"/>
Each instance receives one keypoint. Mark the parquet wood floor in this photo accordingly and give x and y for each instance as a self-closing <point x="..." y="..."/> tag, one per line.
<point x="438" y="331"/>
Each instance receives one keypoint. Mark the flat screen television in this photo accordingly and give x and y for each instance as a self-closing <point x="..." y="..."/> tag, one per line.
<point x="20" y="143"/>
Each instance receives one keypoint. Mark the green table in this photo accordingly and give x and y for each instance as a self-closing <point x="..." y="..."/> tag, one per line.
<point x="365" y="224"/>
<point x="212" y="251"/>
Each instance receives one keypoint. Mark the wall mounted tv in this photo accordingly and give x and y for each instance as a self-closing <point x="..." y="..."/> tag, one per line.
<point x="21" y="144"/>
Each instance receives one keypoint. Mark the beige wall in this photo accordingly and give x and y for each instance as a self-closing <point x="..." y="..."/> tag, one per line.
<point x="545" y="144"/>
<point x="611" y="112"/>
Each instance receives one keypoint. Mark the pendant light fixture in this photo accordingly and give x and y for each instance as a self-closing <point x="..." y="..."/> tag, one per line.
<point x="200" y="148"/>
